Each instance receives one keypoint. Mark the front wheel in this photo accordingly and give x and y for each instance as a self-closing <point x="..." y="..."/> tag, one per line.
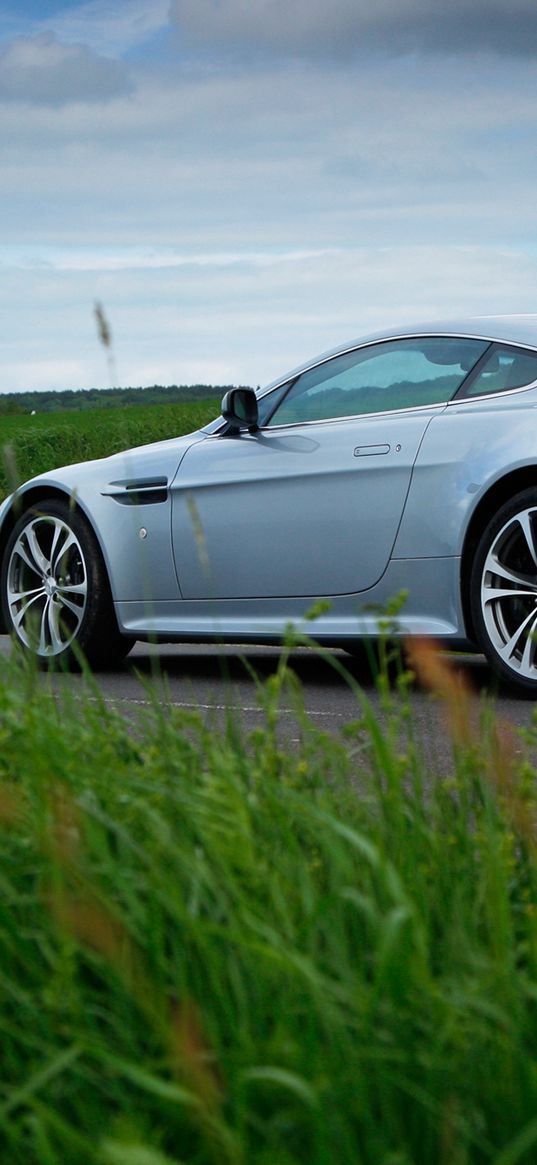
<point x="503" y="592"/>
<point x="54" y="589"/>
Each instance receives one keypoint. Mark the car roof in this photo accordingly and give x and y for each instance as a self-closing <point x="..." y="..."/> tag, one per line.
<point x="507" y="329"/>
<point x="515" y="329"/>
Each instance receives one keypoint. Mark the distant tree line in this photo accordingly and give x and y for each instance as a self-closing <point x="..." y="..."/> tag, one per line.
<point x="17" y="403"/>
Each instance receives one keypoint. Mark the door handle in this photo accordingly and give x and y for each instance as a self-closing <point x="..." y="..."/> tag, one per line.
<point x="370" y="450"/>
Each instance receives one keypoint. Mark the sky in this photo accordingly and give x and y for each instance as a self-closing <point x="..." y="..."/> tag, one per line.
<point x="243" y="184"/>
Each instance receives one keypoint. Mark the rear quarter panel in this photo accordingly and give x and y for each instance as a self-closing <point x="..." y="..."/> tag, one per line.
<point x="466" y="450"/>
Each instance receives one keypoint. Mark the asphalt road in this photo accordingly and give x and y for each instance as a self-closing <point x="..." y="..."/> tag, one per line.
<point x="213" y="679"/>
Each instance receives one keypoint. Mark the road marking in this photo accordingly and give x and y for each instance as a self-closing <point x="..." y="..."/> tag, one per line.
<point x="206" y="707"/>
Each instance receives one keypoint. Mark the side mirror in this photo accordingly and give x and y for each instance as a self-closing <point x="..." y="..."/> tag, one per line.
<point x="239" y="409"/>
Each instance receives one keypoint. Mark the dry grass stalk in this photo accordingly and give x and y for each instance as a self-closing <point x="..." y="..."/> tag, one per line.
<point x="497" y="747"/>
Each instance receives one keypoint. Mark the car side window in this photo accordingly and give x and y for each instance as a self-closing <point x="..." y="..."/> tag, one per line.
<point x="397" y="374"/>
<point x="503" y="369"/>
<point x="266" y="404"/>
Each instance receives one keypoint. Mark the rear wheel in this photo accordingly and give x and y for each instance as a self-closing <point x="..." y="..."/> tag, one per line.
<point x="55" y="594"/>
<point x="504" y="592"/>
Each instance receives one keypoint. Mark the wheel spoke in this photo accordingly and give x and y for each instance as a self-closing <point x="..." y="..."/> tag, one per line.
<point x="525" y="524"/>
<point x="41" y="562"/>
<point x="494" y="566"/>
<point x="492" y="594"/>
<point x="528" y="655"/>
<point x="19" y="616"/>
<point x="43" y="642"/>
<point x="19" y="596"/>
<point x="61" y="543"/>
<point x="21" y="552"/>
<point x="511" y="645"/>
<point x="72" y="588"/>
<point x="78" y="609"/>
<point x="52" y="613"/>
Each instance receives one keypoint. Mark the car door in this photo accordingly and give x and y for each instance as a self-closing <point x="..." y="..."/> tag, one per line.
<point x="310" y="504"/>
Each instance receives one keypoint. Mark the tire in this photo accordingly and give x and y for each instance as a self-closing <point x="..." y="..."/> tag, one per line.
<point x="55" y="594"/>
<point x="503" y="593"/>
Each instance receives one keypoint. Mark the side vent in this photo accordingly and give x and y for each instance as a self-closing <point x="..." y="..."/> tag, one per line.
<point x="140" y="491"/>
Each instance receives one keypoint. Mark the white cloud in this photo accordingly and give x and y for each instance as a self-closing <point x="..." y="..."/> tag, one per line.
<point x="107" y="27"/>
<point x="232" y="323"/>
<point x="133" y="258"/>
<point x="41" y="70"/>
<point x="110" y="28"/>
<point x="287" y="158"/>
<point x="40" y="375"/>
<point x="234" y="217"/>
<point x="354" y="27"/>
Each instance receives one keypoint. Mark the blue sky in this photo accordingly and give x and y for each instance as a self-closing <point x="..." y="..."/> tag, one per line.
<point x="244" y="183"/>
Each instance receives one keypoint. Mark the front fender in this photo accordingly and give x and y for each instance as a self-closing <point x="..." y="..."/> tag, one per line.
<point x="132" y="526"/>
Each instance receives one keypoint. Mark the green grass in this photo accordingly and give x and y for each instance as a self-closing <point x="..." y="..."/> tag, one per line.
<point x="38" y="443"/>
<point x="215" y="951"/>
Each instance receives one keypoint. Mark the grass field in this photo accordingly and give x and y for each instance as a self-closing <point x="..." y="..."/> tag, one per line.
<point x="214" y="952"/>
<point x="41" y="442"/>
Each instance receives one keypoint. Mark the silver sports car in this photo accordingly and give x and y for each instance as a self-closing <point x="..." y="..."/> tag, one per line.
<point x="405" y="461"/>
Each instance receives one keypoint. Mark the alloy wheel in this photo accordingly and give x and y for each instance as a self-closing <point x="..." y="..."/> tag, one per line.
<point x="509" y="594"/>
<point x="47" y="585"/>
